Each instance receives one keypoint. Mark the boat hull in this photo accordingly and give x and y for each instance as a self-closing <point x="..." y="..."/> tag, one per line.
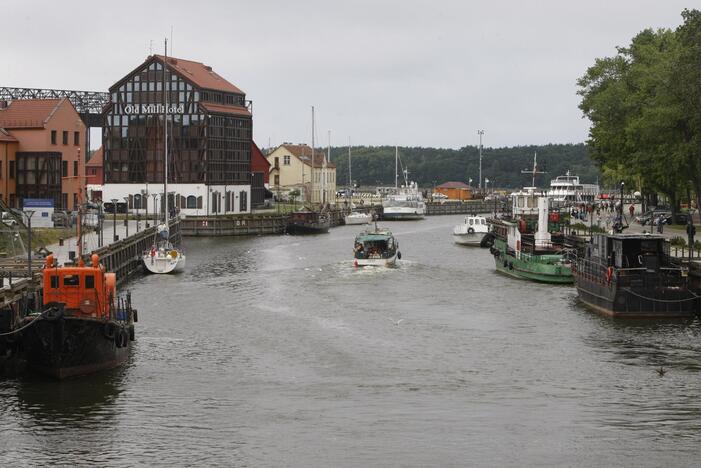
<point x="473" y="239"/>
<point x="606" y="298"/>
<point x="72" y="346"/>
<point x="376" y="262"/>
<point x="398" y="215"/>
<point x="355" y="220"/>
<point x="297" y="228"/>
<point x="164" y="264"/>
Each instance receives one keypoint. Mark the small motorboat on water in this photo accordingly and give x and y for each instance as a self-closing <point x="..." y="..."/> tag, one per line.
<point x="358" y="218"/>
<point x="376" y="247"/>
<point x="471" y="231"/>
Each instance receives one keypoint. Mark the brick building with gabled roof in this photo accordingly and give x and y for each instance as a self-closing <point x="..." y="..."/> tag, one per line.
<point x="210" y="135"/>
<point x="40" y="142"/>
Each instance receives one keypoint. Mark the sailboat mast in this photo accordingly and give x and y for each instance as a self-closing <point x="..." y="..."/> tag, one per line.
<point x="350" y="175"/>
<point x="396" y="167"/>
<point x="535" y="168"/>
<point x="165" y="137"/>
<point x="311" y="196"/>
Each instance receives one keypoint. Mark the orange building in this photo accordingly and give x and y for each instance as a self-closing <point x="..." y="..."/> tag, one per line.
<point x="40" y="141"/>
<point x="455" y="190"/>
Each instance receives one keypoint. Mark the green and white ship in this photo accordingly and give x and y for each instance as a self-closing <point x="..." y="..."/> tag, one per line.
<point x="525" y="246"/>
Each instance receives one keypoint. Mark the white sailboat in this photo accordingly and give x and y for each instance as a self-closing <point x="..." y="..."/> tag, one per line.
<point x="354" y="217"/>
<point x="163" y="256"/>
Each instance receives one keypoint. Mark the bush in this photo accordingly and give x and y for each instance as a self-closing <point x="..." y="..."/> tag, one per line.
<point x="677" y="241"/>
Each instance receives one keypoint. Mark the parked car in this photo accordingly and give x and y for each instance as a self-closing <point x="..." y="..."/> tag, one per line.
<point x="651" y="216"/>
<point x="61" y="218"/>
<point x="8" y="219"/>
<point x="682" y="218"/>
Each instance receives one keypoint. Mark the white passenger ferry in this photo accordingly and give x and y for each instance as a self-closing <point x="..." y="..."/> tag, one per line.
<point x="568" y="188"/>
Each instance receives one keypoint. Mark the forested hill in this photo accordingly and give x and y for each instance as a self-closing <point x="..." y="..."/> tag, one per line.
<point x="374" y="165"/>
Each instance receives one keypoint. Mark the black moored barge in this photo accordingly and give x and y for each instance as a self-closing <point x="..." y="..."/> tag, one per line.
<point x="633" y="276"/>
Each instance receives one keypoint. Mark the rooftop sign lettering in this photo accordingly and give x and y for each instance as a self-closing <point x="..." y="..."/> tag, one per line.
<point x="153" y="109"/>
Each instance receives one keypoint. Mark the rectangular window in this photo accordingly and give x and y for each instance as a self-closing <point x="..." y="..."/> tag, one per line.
<point x="277" y="180"/>
<point x="76" y="138"/>
<point x="71" y="280"/>
<point x="13" y="200"/>
<point x="64" y="201"/>
<point x="64" y="168"/>
<point x="12" y="169"/>
<point x="65" y="137"/>
<point x="75" y="168"/>
<point x="75" y="201"/>
<point x="0" y="169"/>
<point x="89" y="281"/>
<point x="53" y="137"/>
<point x="54" y="282"/>
<point x="286" y="160"/>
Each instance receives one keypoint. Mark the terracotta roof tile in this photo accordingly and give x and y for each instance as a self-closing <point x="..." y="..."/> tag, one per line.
<point x="28" y="113"/>
<point x="6" y="137"/>
<point x="200" y="74"/>
<point x="447" y="185"/>
<point x="224" y="109"/>
<point x="97" y="158"/>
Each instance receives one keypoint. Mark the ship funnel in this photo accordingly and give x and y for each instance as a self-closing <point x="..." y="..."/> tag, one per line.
<point x="542" y="236"/>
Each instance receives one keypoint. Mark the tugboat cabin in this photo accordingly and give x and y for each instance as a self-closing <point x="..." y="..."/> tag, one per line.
<point x="83" y="290"/>
<point x="629" y="252"/>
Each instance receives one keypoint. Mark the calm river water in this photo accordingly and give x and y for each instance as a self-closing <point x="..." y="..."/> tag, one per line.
<point x="275" y="351"/>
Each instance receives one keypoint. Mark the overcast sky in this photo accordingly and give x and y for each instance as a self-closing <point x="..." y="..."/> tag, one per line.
<point x="412" y="73"/>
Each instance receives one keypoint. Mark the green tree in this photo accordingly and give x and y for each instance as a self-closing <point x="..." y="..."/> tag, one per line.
<point x="634" y="114"/>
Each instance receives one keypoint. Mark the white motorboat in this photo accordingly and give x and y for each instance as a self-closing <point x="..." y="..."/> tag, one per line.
<point x="406" y="202"/>
<point x="163" y="256"/>
<point x="358" y="218"/>
<point x="471" y="231"/>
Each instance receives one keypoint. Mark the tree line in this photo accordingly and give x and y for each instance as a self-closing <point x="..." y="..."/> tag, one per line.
<point x="644" y="104"/>
<point x="374" y="165"/>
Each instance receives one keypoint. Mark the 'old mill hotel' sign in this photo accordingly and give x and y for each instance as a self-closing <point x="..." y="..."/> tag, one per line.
<point x="153" y="109"/>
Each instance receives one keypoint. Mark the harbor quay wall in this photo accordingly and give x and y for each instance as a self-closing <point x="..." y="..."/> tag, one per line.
<point x="253" y="224"/>
<point x="464" y="207"/>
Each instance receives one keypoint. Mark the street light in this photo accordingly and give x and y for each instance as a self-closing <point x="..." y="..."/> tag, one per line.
<point x="155" y="208"/>
<point x="144" y="200"/>
<point x="126" y="219"/>
<point x="114" y="219"/>
<point x="29" y="214"/>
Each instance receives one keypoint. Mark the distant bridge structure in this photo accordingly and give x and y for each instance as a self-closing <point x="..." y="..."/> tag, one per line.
<point x="89" y="104"/>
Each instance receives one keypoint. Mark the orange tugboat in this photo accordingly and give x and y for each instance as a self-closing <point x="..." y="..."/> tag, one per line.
<point x="84" y="326"/>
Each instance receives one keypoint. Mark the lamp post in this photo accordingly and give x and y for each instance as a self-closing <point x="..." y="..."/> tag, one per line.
<point x="126" y="220"/>
<point x="100" y="224"/>
<point x="114" y="219"/>
<point x="144" y="200"/>
<point x="29" y="214"/>
<point x="480" y="133"/>
<point x="155" y="208"/>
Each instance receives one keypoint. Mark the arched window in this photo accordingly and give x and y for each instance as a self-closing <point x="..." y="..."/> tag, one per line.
<point x="192" y="202"/>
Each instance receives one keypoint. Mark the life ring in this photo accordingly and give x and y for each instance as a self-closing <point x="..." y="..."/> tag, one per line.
<point x="470" y="230"/>
<point x="609" y="274"/>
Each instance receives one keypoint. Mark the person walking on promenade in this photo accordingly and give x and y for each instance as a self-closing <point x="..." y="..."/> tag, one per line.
<point x="631" y="210"/>
<point x="660" y="224"/>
